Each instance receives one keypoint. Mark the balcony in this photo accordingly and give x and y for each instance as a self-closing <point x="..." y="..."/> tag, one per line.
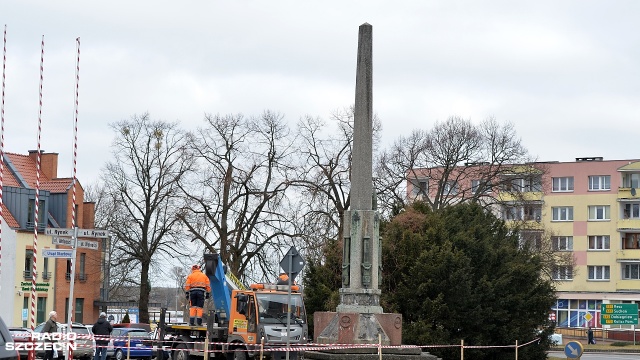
<point x="41" y="226"/>
<point x="79" y="277"/>
<point x="27" y="275"/>
<point x="628" y="224"/>
<point x="628" y="254"/>
<point x="624" y="193"/>
<point x="46" y="275"/>
<point x="622" y="285"/>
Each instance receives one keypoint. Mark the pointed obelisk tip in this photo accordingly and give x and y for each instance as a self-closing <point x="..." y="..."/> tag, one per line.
<point x="366" y="24"/>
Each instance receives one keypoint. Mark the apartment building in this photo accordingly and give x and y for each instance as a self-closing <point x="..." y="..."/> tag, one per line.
<point x="53" y="275"/>
<point x="590" y="209"/>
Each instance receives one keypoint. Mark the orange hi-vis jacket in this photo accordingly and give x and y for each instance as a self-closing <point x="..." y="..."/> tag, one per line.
<point x="197" y="280"/>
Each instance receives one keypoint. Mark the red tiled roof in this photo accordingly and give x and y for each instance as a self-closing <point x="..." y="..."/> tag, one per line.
<point x="8" y="179"/>
<point x="57" y="185"/>
<point x="8" y="217"/>
<point x="26" y="167"/>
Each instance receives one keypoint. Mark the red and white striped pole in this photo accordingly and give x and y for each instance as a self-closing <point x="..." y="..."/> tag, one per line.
<point x="73" y="208"/>
<point x="32" y="318"/>
<point x="4" y="63"/>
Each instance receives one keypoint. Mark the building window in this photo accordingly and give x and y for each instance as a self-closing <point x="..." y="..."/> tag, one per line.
<point x="562" y="184"/>
<point x="25" y="306"/>
<point x="46" y="275"/>
<point x="41" y="309"/>
<point x="599" y="242"/>
<point x="562" y="213"/>
<point x="631" y="211"/>
<point x="68" y="274"/>
<point x="511" y="213"/>
<point x="532" y="212"/>
<point x="564" y="272"/>
<point x="28" y="264"/>
<point x="31" y="209"/>
<point x="78" y="312"/>
<point x="631" y="180"/>
<point x="631" y="272"/>
<point x="419" y="187"/>
<point x="562" y="243"/>
<point x="451" y="188"/>
<point x="598" y="272"/>
<point x="531" y="240"/>
<point x="599" y="212"/>
<point x="480" y="186"/>
<point x="631" y="241"/>
<point x="600" y="182"/>
<point x="83" y="260"/>
<point x="528" y="184"/>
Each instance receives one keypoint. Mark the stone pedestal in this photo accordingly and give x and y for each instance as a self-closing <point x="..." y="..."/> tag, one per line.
<point x="357" y="328"/>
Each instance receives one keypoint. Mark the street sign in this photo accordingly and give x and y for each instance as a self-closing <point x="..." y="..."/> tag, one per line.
<point x="588" y="317"/>
<point x="573" y="350"/>
<point x="93" y="233"/>
<point x="58" y="232"/>
<point x="88" y="244"/>
<point x="619" y="314"/>
<point x="57" y="253"/>
<point x="292" y="262"/>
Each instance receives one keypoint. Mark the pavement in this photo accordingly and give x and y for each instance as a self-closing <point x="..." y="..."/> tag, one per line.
<point x="599" y="341"/>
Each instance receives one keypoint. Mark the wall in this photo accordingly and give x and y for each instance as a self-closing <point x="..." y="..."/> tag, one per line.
<point x="8" y="276"/>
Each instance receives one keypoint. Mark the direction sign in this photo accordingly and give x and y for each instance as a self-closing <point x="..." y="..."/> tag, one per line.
<point x="573" y="350"/>
<point x="619" y="314"/>
<point x="58" y="232"/>
<point x="57" y="253"/>
<point x="57" y="240"/>
<point x="88" y="244"/>
<point x="93" y="233"/>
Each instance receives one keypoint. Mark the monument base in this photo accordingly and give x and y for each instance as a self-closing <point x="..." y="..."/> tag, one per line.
<point x="357" y="328"/>
<point x="387" y="354"/>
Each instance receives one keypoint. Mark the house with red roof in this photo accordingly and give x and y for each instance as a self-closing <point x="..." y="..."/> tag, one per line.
<point x="53" y="275"/>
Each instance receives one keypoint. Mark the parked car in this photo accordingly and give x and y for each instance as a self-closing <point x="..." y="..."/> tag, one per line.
<point x="21" y="335"/>
<point x="5" y="337"/>
<point x="86" y="345"/>
<point x="118" y="348"/>
<point x="145" y="326"/>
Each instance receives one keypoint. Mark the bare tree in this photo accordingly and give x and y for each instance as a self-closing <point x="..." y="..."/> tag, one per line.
<point x="150" y="160"/>
<point x="323" y="176"/>
<point x="456" y="161"/>
<point x="237" y="201"/>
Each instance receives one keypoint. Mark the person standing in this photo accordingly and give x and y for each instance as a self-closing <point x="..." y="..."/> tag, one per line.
<point x="102" y="330"/>
<point x="51" y="326"/>
<point x="196" y="289"/>
<point x="590" y="338"/>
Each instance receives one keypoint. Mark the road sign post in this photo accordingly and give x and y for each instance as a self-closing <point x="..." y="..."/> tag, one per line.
<point x="619" y="314"/>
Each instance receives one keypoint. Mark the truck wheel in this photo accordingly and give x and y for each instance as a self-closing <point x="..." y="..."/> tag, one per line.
<point x="239" y="354"/>
<point x="181" y="352"/>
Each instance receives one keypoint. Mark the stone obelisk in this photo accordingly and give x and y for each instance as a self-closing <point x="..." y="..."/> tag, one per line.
<point x="359" y="317"/>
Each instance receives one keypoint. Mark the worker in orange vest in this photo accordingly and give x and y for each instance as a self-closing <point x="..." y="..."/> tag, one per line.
<point x="197" y="289"/>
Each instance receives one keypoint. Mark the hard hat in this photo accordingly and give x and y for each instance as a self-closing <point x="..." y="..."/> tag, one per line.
<point x="195" y="267"/>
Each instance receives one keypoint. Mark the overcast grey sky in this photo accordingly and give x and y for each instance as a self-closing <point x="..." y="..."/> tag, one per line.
<point x="566" y="73"/>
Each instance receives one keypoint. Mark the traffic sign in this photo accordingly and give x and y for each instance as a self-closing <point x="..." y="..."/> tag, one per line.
<point x="619" y="314"/>
<point x="292" y="262"/>
<point x="57" y="253"/>
<point x="573" y="350"/>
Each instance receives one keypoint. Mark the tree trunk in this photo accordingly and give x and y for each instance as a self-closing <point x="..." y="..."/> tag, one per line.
<point x="143" y="304"/>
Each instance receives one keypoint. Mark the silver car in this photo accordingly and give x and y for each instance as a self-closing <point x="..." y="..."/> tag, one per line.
<point x="86" y="345"/>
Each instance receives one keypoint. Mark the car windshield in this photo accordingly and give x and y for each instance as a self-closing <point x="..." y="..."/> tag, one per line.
<point x="80" y="330"/>
<point x="273" y="308"/>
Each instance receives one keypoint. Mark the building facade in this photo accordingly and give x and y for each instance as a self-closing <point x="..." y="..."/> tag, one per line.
<point x="588" y="209"/>
<point x="53" y="275"/>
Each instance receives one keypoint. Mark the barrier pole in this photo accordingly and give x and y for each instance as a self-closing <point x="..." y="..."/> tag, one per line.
<point x="128" y="346"/>
<point x="380" y="346"/>
<point x="206" y="347"/>
<point x="516" y="350"/>
<point x="462" y="349"/>
<point x="261" y="347"/>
